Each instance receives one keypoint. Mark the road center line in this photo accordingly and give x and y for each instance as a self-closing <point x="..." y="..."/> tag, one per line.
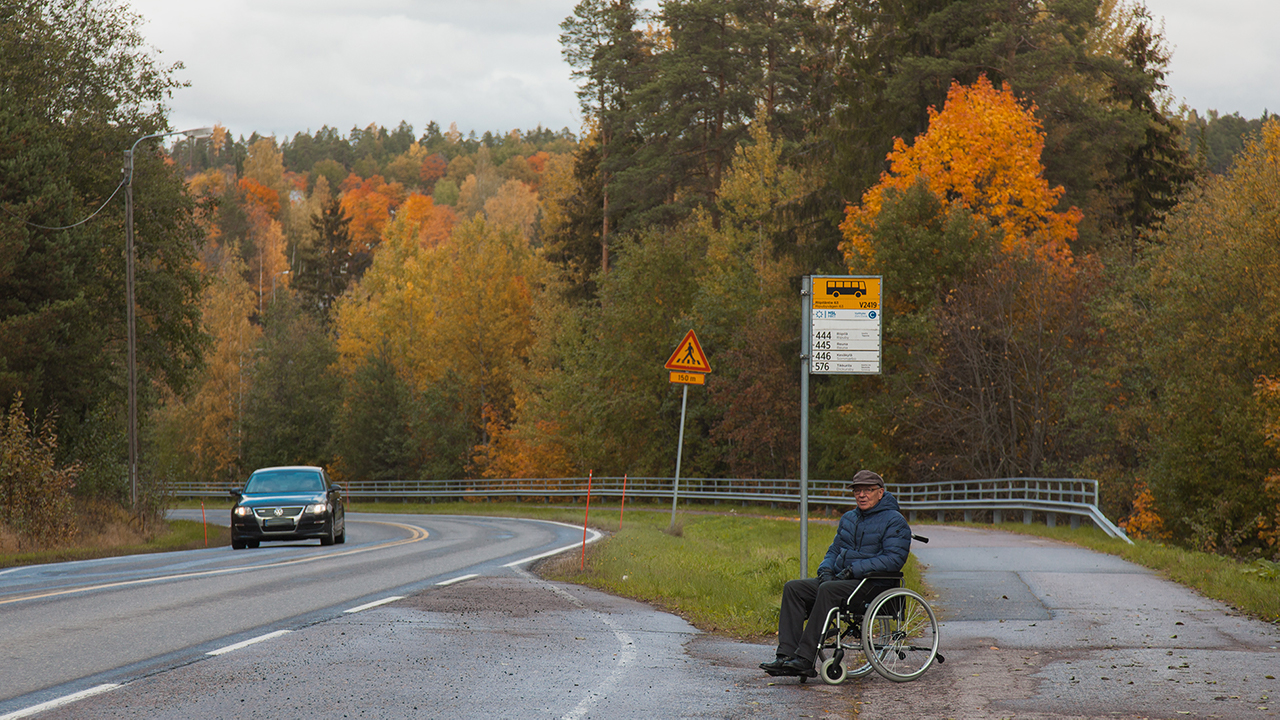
<point x="416" y="534"/>
<point x="59" y="702"/>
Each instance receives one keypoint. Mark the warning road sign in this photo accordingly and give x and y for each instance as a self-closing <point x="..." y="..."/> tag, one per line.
<point x="688" y="356"/>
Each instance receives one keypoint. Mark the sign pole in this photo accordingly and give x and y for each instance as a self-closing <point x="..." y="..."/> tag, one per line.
<point x="675" y="487"/>
<point x="806" y="303"/>
<point x="688" y="365"/>
<point x="841" y="336"/>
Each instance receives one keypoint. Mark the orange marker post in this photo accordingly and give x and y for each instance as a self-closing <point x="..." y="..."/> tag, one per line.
<point x="623" y="508"/>
<point x="583" y="564"/>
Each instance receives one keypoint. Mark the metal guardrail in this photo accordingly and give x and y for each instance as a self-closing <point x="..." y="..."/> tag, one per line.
<point x="1044" y="497"/>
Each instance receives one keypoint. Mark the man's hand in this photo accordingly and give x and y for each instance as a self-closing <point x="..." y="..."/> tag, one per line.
<point x="824" y="575"/>
<point x="845" y="574"/>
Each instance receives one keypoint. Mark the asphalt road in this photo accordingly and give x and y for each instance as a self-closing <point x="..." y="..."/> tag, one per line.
<point x="1038" y="630"/>
<point x="69" y="627"/>
<point x="1031" y="629"/>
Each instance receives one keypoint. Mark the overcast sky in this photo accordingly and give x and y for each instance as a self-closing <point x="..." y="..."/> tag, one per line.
<point x="283" y="66"/>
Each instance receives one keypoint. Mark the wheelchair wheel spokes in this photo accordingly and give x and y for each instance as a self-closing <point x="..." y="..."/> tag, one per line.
<point x="900" y="637"/>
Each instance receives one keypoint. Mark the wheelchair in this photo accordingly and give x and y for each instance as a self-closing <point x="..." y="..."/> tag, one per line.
<point x="896" y="634"/>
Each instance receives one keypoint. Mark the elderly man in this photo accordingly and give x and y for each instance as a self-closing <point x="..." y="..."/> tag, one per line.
<point x="873" y="538"/>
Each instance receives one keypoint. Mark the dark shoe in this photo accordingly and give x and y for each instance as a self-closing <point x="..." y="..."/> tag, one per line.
<point x="798" y="666"/>
<point x="775" y="666"/>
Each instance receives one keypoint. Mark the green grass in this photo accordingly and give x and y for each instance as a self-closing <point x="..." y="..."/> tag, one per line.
<point x="180" y="535"/>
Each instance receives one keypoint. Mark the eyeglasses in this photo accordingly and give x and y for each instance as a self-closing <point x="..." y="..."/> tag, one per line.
<point x="865" y="490"/>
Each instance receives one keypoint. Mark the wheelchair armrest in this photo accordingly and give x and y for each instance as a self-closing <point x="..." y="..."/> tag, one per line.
<point x="884" y="576"/>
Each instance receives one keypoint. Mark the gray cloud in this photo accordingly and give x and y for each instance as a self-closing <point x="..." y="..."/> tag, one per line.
<point x="283" y="66"/>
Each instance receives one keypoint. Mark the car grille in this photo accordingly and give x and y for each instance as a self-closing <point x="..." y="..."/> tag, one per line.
<point x="267" y="513"/>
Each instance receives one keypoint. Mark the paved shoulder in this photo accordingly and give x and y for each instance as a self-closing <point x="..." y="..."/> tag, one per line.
<point x="500" y="646"/>
<point x="1033" y="628"/>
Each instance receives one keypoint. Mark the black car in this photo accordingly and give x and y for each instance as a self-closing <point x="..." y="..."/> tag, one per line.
<point x="288" y="503"/>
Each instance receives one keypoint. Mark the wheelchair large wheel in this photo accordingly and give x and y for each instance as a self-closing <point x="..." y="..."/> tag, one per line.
<point x="900" y="634"/>
<point x="841" y="657"/>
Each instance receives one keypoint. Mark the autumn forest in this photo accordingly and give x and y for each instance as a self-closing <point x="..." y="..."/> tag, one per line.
<point x="1081" y="279"/>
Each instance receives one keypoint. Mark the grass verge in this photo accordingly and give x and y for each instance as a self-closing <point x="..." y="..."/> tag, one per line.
<point x="180" y="535"/>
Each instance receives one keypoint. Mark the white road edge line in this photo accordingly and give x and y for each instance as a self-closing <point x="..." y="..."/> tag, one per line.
<point x="595" y="535"/>
<point x="59" y="702"/>
<point x="458" y="579"/>
<point x="247" y="643"/>
<point x="625" y="656"/>
<point x="375" y="604"/>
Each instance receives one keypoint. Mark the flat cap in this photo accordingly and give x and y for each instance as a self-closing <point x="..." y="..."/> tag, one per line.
<point x="866" y="477"/>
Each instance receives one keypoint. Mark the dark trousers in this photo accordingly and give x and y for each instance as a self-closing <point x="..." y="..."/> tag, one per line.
<point x="805" y="604"/>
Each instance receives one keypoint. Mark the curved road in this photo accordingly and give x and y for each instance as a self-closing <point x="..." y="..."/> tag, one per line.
<point x="69" y="627"/>
<point x="1032" y="629"/>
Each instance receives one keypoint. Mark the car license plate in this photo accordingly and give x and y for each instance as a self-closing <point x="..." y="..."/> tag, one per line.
<point x="279" y="522"/>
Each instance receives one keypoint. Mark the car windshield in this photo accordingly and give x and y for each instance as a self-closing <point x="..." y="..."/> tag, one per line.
<point x="285" y="481"/>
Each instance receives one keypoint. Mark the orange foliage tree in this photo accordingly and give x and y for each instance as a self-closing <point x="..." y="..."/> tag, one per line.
<point x="1268" y="392"/>
<point x="258" y="195"/>
<point x="978" y="264"/>
<point x="432" y="222"/>
<point x="433" y="168"/>
<point x="981" y="152"/>
<point x="369" y="204"/>
<point x="1144" y="522"/>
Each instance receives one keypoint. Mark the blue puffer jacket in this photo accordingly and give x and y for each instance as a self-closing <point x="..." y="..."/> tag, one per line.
<point x="876" y="540"/>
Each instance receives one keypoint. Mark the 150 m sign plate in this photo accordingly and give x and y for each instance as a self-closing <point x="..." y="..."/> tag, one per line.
<point x="845" y="325"/>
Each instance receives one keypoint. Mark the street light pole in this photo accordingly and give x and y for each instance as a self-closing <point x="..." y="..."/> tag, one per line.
<point x="130" y="314"/>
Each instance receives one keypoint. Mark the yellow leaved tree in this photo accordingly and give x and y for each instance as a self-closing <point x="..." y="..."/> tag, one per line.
<point x="456" y="315"/>
<point x="978" y="268"/>
<point x="982" y="152"/>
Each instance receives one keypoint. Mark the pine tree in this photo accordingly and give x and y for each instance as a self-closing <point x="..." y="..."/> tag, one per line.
<point x="325" y="270"/>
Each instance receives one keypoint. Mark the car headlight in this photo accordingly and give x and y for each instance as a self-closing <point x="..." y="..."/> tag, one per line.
<point x="242" y="511"/>
<point x="317" y="509"/>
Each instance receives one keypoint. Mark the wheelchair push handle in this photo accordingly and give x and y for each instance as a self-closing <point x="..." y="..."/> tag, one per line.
<point x="921" y="538"/>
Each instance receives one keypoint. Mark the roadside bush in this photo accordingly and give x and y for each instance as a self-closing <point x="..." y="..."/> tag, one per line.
<point x="35" y="494"/>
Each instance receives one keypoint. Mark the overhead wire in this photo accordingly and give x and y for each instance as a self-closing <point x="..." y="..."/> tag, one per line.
<point x="73" y="225"/>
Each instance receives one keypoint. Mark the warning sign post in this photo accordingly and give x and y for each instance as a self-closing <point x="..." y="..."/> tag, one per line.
<point x="688" y="365"/>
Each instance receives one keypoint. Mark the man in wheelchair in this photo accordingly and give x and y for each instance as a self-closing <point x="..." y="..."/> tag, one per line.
<point x="874" y="538"/>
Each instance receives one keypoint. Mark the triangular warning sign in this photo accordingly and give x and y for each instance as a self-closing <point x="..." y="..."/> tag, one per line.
<point x="688" y="356"/>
